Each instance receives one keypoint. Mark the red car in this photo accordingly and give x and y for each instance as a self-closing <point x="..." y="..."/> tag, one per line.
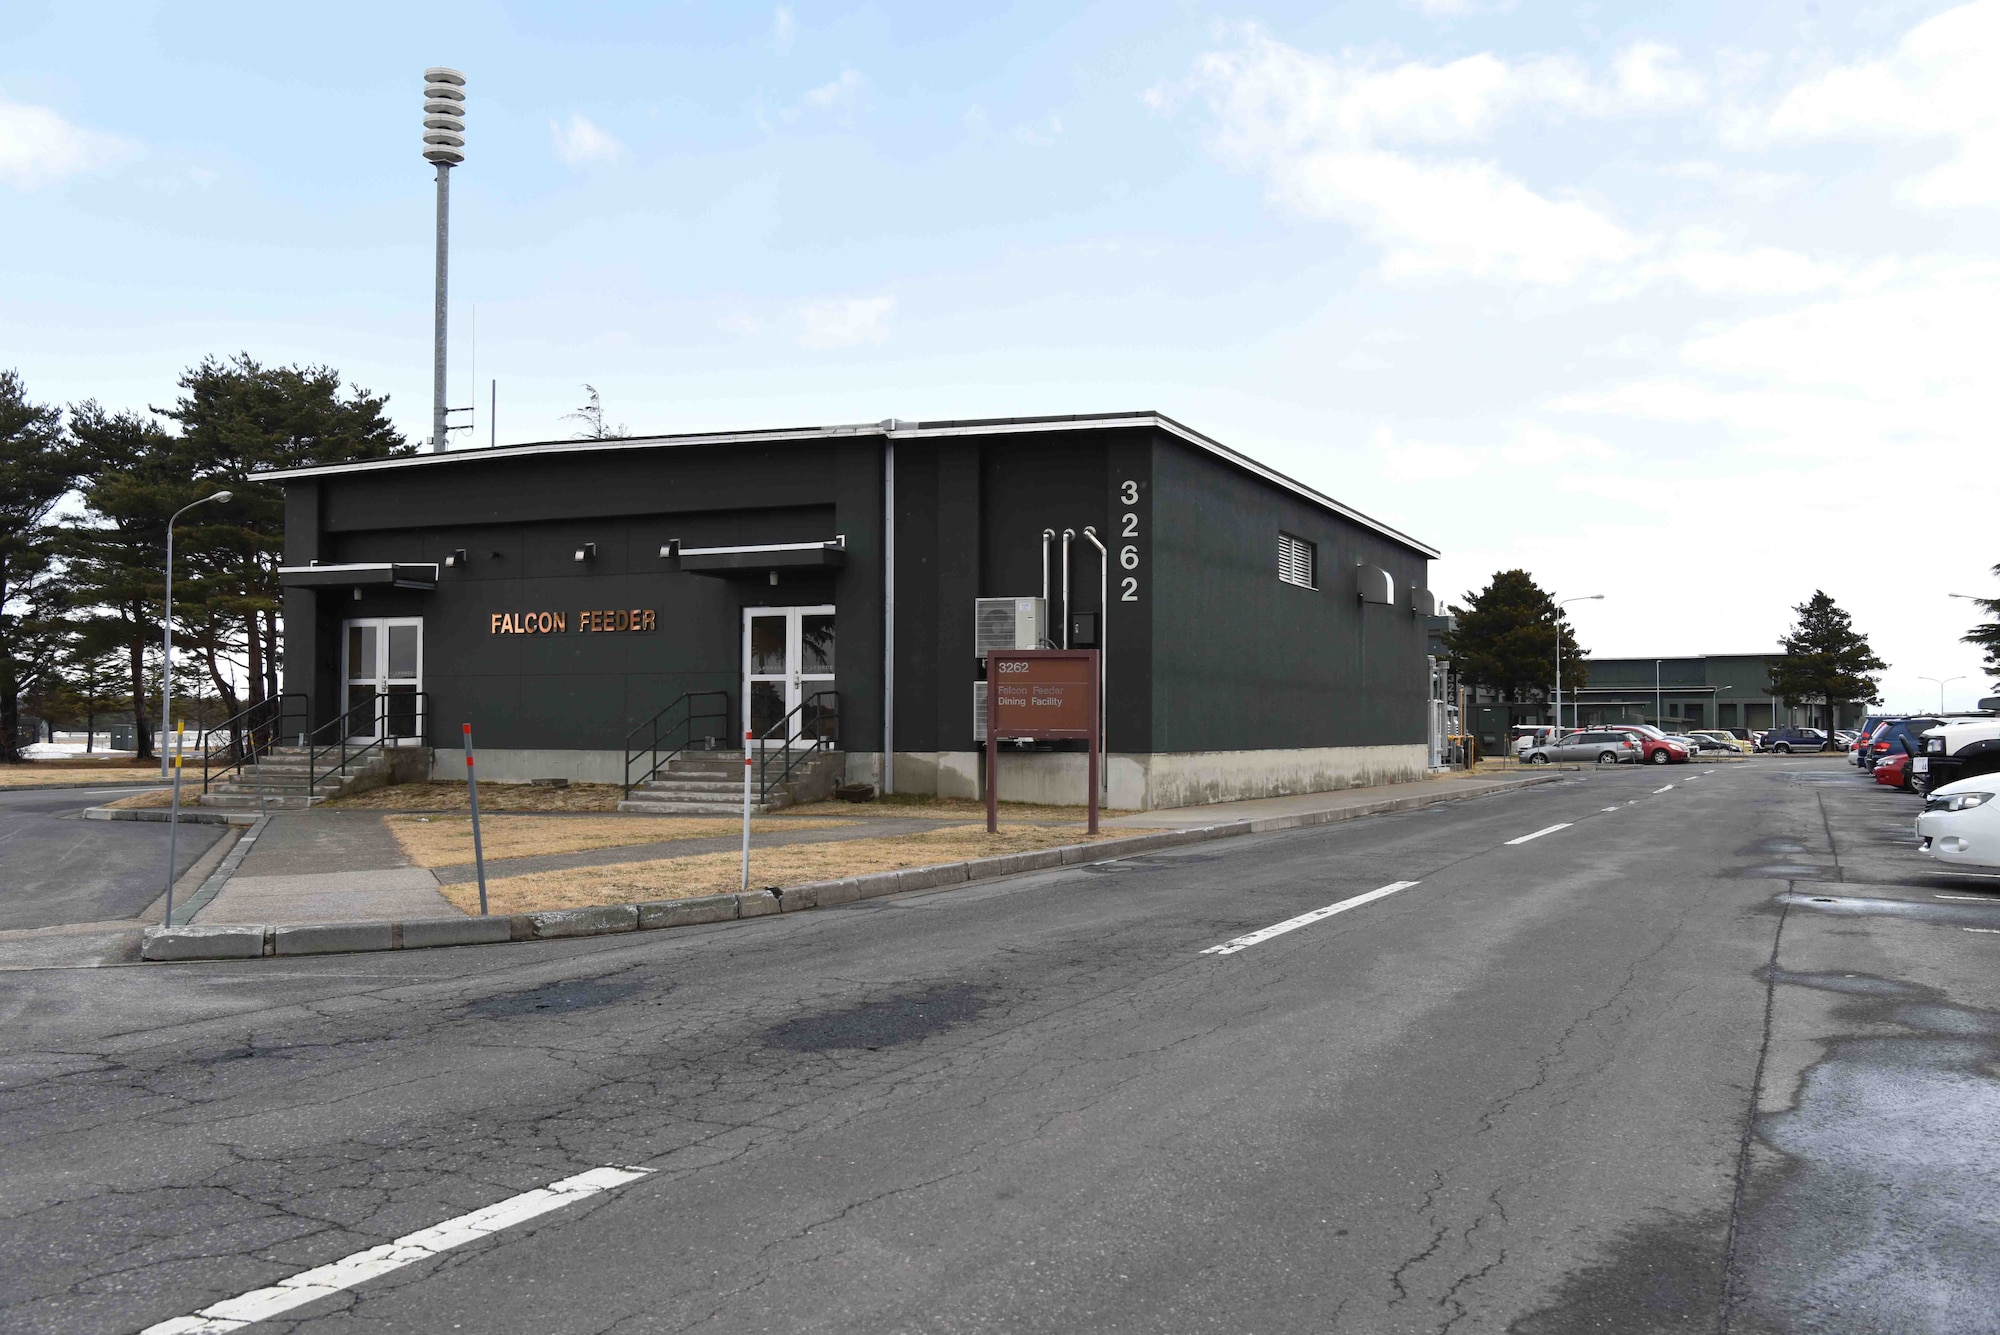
<point x="1894" y="771"/>
<point x="1658" y="749"/>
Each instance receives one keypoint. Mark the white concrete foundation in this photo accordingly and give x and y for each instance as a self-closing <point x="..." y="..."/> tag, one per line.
<point x="1135" y="782"/>
<point x="497" y="765"/>
<point x="1145" y="782"/>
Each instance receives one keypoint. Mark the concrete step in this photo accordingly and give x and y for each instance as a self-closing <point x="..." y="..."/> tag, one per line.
<point x="641" y="807"/>
<point x="254" y="802"/>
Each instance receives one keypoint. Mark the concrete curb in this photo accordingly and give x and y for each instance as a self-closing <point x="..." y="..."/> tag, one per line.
<point x="164" y="815"/>
<point x="218" y="878"/>
<point x="221" y="942"/>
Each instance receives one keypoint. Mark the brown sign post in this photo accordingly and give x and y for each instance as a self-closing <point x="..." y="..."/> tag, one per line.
<point x="1041" y="695"/>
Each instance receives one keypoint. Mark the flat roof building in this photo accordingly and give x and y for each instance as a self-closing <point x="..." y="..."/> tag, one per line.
<point x="1259" y="637"/>
<point x="1731" y="691"/>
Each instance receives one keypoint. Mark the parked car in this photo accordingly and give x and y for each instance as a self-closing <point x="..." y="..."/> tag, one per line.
<point x="1715" y="739"/>
<point x="1658" y="748"/>
<point x="1961" y="822"/>
<point x="1601" y="745"/>
<point x="1784" y="741"/>
<point x="1959" y="748"/>
<point x="1859" y="753"/>
<point x="1893" y="771"/>
<point x="1524" y="735"/>
<point x="1845" y="737"/>
<point x="1888" y="739"/>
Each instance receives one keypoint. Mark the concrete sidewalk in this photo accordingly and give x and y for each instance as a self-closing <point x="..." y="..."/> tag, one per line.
<point x="347" y="866"/>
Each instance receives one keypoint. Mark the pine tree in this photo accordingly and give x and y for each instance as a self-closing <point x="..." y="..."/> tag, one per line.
<point x="1987" y="634"/>
<point x="237" y="418"/>
<point x="1506" y="639"/>
<point x="134" y="479"/>
<point x="37" y="468"/>
<point x="1826" y="660"/>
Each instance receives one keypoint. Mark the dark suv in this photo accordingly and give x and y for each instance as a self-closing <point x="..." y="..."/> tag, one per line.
<point x="1887" y="740"/>
<point x="1787" y="740"/>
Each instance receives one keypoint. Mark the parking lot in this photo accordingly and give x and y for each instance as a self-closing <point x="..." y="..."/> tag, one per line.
<point x="1633" y="1050"/>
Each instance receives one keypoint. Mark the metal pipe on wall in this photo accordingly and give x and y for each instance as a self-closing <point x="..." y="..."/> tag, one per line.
<point x="1048" y="536"/>
<point x="1103" y="620"/>
<point x="1068" y="536"/>
<point x="889" y="615"/>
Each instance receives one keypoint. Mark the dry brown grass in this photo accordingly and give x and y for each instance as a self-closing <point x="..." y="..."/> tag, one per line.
<point x="721" y="873"/>
<point x="33" y="772"/>
<point x="913" y="806"/>
<point x="447" y="841"/>
<point x="434" y="796"/>
<point x="159" y="797"/>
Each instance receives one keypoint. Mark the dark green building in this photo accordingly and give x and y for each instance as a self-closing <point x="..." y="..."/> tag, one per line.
<point x="1259" y="637"/>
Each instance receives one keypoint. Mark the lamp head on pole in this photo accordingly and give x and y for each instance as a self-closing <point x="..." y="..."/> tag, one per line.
<point x="224" y="496"/>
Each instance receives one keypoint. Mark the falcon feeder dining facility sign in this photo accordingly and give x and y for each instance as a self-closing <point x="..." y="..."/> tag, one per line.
<point x="1041" y="695"/>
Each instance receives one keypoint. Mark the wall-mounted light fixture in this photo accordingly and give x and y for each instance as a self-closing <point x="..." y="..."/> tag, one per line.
<point x="587" y="552"/>
<point x="456" y="557"/>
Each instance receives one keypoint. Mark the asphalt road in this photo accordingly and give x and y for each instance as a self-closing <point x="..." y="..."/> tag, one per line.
<point x="1718" y="1057"/>
<point x="57" y="869"/>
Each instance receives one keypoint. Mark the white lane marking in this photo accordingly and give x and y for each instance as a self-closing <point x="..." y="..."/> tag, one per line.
<point x="1977" y="899"/>
<point x="1980" y="929"/>
<point x="1611" y="808"/>
<point x="310" y="1286"/>
<point x="1306" y="919"/>
<point x="1668" y="789"/>
<point x="1708" y="771"/>
<point x="1539" y="833"/>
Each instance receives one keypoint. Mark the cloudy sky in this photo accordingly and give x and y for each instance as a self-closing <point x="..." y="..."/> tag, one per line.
<point x="1686" y="304"/>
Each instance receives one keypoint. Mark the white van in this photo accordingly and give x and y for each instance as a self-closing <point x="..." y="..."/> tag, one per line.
<point x="1524" y="735"/>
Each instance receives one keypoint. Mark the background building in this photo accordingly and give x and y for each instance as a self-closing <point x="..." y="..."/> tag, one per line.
<point x="1704" y="691"/>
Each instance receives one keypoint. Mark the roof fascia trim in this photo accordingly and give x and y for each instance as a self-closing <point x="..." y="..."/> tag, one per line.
<point x="918" y="432"/>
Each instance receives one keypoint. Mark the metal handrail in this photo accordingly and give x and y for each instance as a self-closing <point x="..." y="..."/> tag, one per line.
<point x="378" y="716"/>
<point x="687" y="701"/>
<point x="253" y="730"/>
<point x="814" y="712"/>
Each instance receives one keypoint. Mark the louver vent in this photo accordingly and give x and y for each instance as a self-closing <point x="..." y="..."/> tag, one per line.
<point x="1298" y="561"/>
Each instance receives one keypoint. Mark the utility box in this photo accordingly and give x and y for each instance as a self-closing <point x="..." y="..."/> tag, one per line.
<point x="1008" y="623"/>
<point x="124" y="737"/>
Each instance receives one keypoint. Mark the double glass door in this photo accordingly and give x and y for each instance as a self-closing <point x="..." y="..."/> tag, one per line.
<point x="787" y="659"/>
<point x="382" y="667"/>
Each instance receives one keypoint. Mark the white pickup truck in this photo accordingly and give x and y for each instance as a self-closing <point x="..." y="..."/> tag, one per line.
<point x="1959" y="748"/>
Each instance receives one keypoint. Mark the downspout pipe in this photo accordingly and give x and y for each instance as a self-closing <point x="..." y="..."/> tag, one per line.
<point x="1103" y="617"/>
<point x="888" y="613"/>
<point x="1048" y="536"/>
<point x="1068" y="536"/>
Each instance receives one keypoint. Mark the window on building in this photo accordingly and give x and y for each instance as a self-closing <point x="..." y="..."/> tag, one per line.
<point x="1298" y="561"/>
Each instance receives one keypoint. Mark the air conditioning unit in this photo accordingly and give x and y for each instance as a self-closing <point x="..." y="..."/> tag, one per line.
<point x="1008" y="623"/>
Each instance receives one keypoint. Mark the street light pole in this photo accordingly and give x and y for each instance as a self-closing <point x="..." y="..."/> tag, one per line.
<point x="1586" y="598"/>
<point x="1941" y="685"/>
<point x="167" y="663"/>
